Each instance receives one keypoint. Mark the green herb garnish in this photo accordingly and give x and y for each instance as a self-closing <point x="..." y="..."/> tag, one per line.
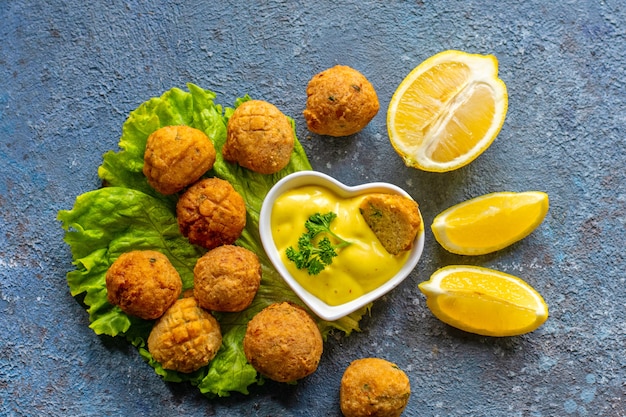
<point x="315" y="258"/>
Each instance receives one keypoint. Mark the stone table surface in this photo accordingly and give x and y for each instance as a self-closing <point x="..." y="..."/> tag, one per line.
<point x="71" y="71"/>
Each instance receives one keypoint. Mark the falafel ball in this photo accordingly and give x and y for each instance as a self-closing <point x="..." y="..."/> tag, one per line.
<point x="283" y="342"/>
<point x="259" y="137"/>
<point x="211" y="213"/>
<point x="374" y="387"/>
<point x="177" y="156"/>
<point x="143" y="283"/>
<point x="185" y="338"/>
<point x="340" y="102"/>
<point x="227" y="278"/>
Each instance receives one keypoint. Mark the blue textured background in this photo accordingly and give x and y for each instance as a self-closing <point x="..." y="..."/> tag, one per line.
<point x="71" y="71"/>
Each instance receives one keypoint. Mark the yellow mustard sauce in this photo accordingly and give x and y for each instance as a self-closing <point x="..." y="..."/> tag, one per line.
<point x="358" y="269"/>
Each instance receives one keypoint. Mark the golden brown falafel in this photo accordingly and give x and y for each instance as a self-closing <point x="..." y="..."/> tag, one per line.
<point x="177" y="156"/>
<point x="259" y="137"/>
<point x="394" y="219"/>
<point x="340" y="102"/>
<point x="227" y="278"/>
<point x="283" y="342"/>
<point x="373" y="387"/>
<point x="211" y="213"/>
<point x="185" y="338"/>
<point x="143" y="283"/>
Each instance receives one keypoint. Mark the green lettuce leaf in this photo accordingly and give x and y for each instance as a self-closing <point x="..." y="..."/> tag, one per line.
<point x="128" y="214"/>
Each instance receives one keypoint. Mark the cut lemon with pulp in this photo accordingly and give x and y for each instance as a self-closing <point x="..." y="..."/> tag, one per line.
<point x="447" y="111"/>
<point x="490" y="222"/>
<point x="484" y="301"/>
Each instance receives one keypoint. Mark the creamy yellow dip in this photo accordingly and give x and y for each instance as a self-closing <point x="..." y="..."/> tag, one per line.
<point x="358" y="269"/>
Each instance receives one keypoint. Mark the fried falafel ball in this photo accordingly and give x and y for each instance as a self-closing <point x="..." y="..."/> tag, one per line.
<point x="373" y="387"/>
<point x="186" y="337"/>
<point x="211" y="213"/>
<point x="143" y="283"/>
<point x="283" y="342"/>
<point x="259" y="137"/>
<point x="340" y="102"/>
<point x="227" y="278"/>
<point x="177" y="156"/>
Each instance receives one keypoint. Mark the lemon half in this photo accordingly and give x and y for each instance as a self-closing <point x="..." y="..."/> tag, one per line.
<point x="447" y="111"/>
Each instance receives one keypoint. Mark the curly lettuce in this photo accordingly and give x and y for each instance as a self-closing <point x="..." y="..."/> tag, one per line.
<point x="128" y="214"/>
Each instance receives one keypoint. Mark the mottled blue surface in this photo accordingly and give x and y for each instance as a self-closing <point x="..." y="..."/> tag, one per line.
<point x="70" y="72"/>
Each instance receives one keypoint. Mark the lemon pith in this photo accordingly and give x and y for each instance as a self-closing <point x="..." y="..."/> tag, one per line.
<point x="447" y="111"/>
<point x="484" y="301"/>
<point x="490" y="222"/>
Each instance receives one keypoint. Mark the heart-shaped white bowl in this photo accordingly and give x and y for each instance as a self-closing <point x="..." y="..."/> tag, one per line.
<point x="319" y="307"/>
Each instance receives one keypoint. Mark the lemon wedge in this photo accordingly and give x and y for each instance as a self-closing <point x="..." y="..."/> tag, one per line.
<point x="484" y="301"/>
<point x="447" y="111"/>
<point x="490" y="222"/>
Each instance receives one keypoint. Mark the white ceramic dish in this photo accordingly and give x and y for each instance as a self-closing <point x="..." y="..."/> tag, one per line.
<point x="302" y="178"/>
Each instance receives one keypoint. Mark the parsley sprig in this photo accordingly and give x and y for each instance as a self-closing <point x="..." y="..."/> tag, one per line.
<point x="311" y="257"/>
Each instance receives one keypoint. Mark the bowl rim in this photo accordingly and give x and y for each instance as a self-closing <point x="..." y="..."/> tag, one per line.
<point x="310" y="177"/>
